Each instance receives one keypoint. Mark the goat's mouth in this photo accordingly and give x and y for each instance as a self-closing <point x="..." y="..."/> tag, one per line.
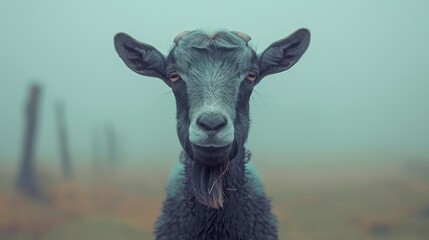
<point x="212" y="155"/>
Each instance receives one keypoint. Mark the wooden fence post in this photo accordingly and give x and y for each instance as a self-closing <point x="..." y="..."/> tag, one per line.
<point x="27" y="180"/>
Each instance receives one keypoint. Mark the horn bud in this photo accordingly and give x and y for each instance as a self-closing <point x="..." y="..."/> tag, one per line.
<point x="180" y="36"/>
<point x="243" y="36"/>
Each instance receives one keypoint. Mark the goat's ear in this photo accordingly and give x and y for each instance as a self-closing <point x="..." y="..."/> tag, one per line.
<point x="283" y="54"/>
<point x="142" y="58"/>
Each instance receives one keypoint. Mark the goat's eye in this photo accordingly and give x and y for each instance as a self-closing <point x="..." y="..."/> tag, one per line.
<point x="251" y="76"/>
<point x="174" y="76"/>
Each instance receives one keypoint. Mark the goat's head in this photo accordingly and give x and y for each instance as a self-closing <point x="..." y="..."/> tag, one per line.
<point x="212" y="78"/>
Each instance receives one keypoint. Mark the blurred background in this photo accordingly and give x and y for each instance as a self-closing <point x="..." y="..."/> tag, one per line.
<point x="341" y="140"/>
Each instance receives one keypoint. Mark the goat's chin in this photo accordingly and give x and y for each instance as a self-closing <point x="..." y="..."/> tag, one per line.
<point x="211" y="155"/>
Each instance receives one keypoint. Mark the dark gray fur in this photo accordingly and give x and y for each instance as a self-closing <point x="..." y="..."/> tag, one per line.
<point x="246" y="213"/>
<point x="215" y="196"/>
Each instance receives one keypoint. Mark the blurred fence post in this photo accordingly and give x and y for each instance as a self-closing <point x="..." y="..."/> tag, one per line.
<point x="96" y="149"/>
<point x="63" y="141"/>
<point x="27" y="180"/>
<point x="111" y="144"/>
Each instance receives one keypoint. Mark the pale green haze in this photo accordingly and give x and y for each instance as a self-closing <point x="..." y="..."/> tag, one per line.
<point x="362" y="86"/>
<point x="340" y="141"/>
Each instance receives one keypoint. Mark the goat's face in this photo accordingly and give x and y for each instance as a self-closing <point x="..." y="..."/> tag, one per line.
<point x="212" y="78"/>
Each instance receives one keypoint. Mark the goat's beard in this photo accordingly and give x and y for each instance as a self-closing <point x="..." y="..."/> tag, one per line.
<point x="208" y="183"/>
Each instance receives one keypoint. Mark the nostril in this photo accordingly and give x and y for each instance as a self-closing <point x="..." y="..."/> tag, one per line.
<point x="211" y="121"/>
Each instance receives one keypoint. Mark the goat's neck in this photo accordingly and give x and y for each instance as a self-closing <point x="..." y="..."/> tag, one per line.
<point x="245" y="214"/>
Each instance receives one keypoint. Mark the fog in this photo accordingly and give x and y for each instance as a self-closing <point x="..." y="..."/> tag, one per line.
<point x="362" y="86"/>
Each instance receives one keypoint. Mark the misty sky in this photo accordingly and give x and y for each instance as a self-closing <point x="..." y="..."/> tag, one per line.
<point x="362" y="85"/>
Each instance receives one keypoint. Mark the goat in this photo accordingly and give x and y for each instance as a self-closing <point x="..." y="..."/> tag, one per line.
<point x="215" y="195"/>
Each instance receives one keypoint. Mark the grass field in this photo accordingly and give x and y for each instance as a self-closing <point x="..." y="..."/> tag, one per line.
<point x="316" y="202"/>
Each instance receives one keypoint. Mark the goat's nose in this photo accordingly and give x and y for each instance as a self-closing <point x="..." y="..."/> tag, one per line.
<point x="211" y="121"/>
